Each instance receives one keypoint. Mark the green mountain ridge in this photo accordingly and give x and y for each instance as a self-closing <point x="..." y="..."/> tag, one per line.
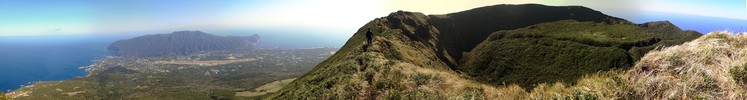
<point x="181" y="43"/>
<point x="462" y="31"/>
<point x="415" y="56"/>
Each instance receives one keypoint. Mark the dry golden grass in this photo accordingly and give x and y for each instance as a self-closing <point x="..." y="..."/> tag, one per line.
<point x="3" y="97"/>
<point x="602" y="85"/>
<point x="267" y="88"/>
<point x="695" y="70"/>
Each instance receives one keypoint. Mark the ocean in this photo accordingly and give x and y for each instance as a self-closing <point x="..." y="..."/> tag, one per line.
<point x="29" y="59"/>
<point x="702" y="24"/>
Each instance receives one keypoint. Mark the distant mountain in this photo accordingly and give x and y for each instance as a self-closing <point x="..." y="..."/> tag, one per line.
<point x="483" y="53"/>
<point x="181" y="43"/>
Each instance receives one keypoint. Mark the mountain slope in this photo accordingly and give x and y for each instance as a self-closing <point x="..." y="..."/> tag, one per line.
<point x="417" y="56"/>
<point x="561" y="51"/>
<point x="462" y="31"/>
<point x="401" y="63"/>
<point x="180" y="43"/>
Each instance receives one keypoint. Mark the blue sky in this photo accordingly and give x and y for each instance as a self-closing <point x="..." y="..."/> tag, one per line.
<point x="101" y="16"/>
<point x="330" y="17"/>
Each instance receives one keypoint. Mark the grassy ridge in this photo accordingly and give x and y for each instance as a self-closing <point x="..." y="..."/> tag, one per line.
<point x="401" y="64"/>
<point x="321" y="79"/>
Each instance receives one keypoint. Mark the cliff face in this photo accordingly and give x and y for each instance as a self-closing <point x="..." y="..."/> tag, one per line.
<point x="180" y="43"/>
<point x="465" y="55"/>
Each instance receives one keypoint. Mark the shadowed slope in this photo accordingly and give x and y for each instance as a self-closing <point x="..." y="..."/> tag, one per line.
<point x="462" y="31"/>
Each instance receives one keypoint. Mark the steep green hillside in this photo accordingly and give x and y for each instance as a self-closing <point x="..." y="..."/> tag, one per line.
<point x="558" y="51"/>
<point x="414" y="56"/>
<point x="402" y="63"/>
<point x="462" y="31"/>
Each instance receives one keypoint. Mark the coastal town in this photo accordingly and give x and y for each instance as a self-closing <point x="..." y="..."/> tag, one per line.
<point x="219" y="74"/>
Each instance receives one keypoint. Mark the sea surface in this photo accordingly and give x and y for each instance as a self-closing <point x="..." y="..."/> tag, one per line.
<point x="702" y="24"/>
<point x="26" y="59"/>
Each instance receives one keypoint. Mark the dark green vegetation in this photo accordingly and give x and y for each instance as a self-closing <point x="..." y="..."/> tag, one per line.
<point x="180" y="43"/>
<point x="559" y="51"/>
<point x="462" y="31"/>
<point x="466" y="55"/>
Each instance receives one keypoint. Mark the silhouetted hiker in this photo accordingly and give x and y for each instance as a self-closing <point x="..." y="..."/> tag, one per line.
<point x="369" y="36"/>
<point x="369" y="40"/>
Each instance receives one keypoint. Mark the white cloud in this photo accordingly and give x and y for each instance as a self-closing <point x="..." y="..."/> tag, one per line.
<point x="341" y="15"/>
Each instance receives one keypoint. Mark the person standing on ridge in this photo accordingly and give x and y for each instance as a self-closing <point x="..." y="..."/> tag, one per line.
<point x="369" y="40"/>
<point x="369" y="36"/>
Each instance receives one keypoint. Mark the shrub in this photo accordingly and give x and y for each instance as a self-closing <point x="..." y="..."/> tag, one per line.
<point x="739" y="73"/>
<point x="425" y="79"/>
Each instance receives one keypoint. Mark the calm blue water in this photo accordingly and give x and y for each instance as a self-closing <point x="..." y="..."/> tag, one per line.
<point x="702" y="24"/>
<point x="31" y="59"/>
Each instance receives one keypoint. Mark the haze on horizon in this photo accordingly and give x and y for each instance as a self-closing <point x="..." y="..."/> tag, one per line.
<point x="335" y="18"/>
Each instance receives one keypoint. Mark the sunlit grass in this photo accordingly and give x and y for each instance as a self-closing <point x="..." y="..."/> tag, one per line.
<point x="710" y="67"/>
